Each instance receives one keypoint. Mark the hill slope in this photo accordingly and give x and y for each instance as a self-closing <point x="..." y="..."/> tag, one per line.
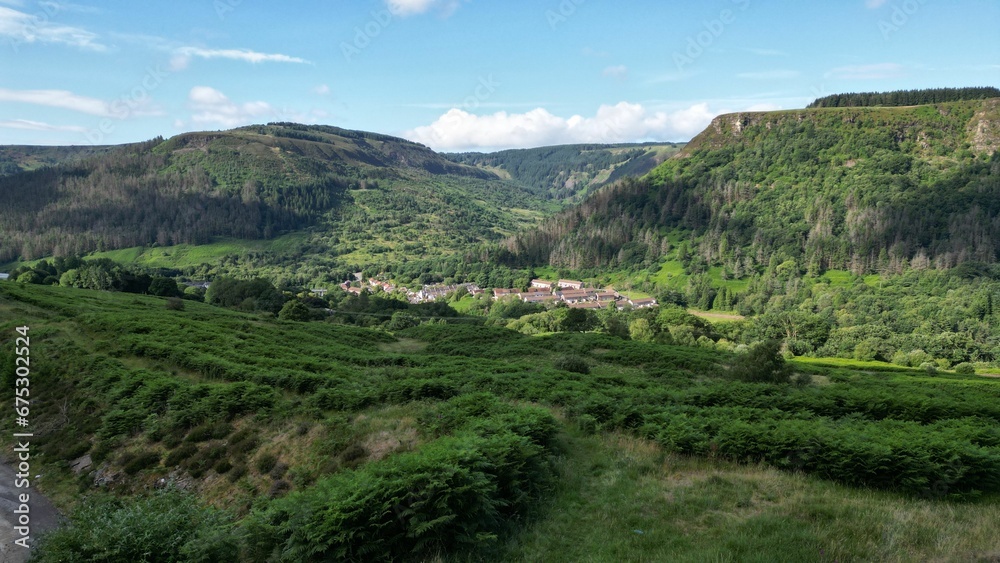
<point x="858" y="188"/>
<point x="570" y="172"/>
<point x="255" y="183"/>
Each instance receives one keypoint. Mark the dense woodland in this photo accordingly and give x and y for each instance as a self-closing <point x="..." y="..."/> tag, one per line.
<point x="905" y="97"/>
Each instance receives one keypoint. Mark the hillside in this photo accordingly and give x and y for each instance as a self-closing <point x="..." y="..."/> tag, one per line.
<point x="297" y="441"/>
<point x="21" y="158"/>
<point x="842" y="188"/>
<point x="570" y="172"/>
<point x="361" y="191"/>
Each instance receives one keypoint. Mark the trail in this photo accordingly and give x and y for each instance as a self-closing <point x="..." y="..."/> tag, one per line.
<point x="44" y="516"/>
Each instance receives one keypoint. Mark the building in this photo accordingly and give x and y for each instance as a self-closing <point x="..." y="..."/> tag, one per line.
<point x="642" y="303"/>
<point x="576" y="295"/>
<point x="4" y="276"/>
<point x="500" y="293"/>
<point x="318" y="292"/>
<point x="570" y="284"/>
<point x="542" y="284"/>
<point x="537" y="297"/>
<point x="587" y="305"/>
<point x="606" y="296"/>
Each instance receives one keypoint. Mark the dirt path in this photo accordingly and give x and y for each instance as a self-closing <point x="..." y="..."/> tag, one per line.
<point x="43" y="516"/>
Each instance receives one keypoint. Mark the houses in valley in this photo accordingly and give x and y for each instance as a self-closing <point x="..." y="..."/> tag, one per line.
<point x="572" y="292"/>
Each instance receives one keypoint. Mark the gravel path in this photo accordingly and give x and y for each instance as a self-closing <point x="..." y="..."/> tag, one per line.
<point x="43" y="516"/>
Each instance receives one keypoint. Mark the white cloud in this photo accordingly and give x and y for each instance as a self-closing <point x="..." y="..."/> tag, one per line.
<point x="872" y="4"/>
<point x="623" y="122"/>
<point x="213" y="107"/>
<point x="866" y="72"/>
<point x="57" y="99"/>
<point x="412" y="7"/>
<point x="618" y="72"/>
<point x="39" y="126"/>
<point x="20" y="28"/>
<point x="322" y="90"/>
<point x="769" y="75"/>
<point x="235" y="54"/>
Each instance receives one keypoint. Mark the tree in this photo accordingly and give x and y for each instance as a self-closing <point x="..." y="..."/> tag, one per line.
<point x="641" y="330"/>
<point x="763" y="363"/>
<point x="294" y="311"/>
<point x="163" y="287"/>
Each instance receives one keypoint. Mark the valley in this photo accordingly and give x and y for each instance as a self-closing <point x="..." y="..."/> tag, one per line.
<point x="288" y="342"/>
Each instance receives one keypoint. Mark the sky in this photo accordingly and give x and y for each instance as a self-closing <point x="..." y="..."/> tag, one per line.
<point x="460" y="75"/>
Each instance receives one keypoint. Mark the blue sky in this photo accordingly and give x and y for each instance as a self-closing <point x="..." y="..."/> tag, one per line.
<point x="465" y="74"/>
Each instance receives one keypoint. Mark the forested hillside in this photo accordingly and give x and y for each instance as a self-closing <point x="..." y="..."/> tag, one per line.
<point x="569" y="172"/>
<point x="865" y="189"/>
<point x="905" y="97"/>
<point x="255" y="183"/>
<point x="19" y="158"/>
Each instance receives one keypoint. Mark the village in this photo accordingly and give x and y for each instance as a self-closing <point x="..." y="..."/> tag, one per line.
<point x="573" y="293"/>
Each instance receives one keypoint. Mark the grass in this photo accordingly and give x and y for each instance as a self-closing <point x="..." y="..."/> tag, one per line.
<point x="625" y="499"/>
<point x="186" y="255"/>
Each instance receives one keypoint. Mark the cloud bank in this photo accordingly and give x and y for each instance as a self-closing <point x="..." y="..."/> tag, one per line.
<point x="624" y="122"/>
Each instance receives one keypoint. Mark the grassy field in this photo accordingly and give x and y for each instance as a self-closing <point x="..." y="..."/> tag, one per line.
<point x="628" y="450"/>
<point x="625" y="499"/>
<point x="186" y="255"/>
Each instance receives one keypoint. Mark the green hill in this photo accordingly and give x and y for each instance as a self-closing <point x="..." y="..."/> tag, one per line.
<point x="865" y="189"/>
<point x="360" y="191"/>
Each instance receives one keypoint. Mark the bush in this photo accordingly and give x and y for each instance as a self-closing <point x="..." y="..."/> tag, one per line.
<point x="266" y="462"/>
<point x="142" y="461"/>
<point x="574" y="364"/>
<point x="929" y="367"/>
<point x="294" y="311"/>
<point x="168" y="526"/>
<point x="175" y="304"/>
<point x="763" y="364"/>
<point x="965" y="368"/>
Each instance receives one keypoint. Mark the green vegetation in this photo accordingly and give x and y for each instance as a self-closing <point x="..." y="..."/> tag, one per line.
<point x="461" y="440"/>
<point x="571" y="172"/>
<point x="905" y="97"/>
<point x="360" y="195"/>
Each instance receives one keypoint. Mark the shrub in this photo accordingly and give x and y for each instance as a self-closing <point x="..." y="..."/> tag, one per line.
<point x="763" y="364"/>
<point x="175" y="304"/>
<point x="965" y="368"/>
<point x="294" y="311"/>
<point x="929" y="367"/>
<point x="266" y="462"/>
<point x="574" y="364"/>
<point x="168" y="526"/>
<point x="142" y="461"/>
<point x="587" y="424"/>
